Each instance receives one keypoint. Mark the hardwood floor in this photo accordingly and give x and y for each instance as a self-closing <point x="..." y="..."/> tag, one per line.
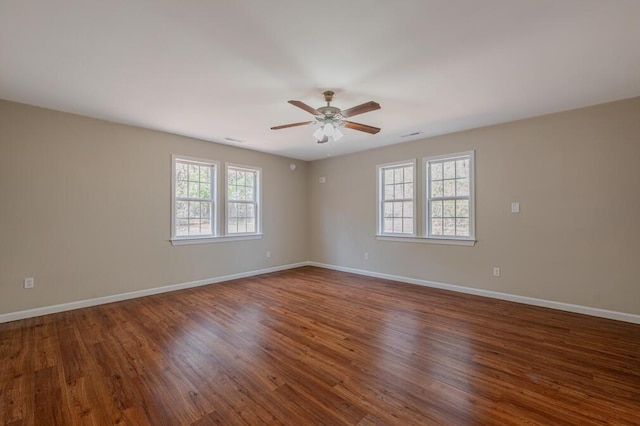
<point x="314" y="346"/>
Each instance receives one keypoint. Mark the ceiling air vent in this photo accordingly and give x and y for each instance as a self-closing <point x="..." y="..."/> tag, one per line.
<point x="408" y="135"/>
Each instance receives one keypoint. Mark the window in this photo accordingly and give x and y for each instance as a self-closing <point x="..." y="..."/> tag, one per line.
<point x="194" y="198"/>
<point x="243" y="195"/>
<point x="396" y="195"/>
<point x="443" y="199"/>
<point x="450" y="201"/>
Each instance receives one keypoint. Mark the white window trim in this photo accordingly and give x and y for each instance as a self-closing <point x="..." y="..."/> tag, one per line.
<point x="421" y="228"/>
<point x="380" y="198"/>
<point x="217" y="218"/>
<point x="428" y="240"/>
<point x="427" y="196"/>
<point x="219" y="239"/>
<point x="258" y="193"/>
<point x="214" y="197"/>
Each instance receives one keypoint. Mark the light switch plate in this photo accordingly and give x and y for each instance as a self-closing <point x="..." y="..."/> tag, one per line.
<point x="515" y="207"/>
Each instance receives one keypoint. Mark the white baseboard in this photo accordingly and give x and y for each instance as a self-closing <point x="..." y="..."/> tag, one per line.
<point x="13" y="316"/>
<point x="596" y="312"/>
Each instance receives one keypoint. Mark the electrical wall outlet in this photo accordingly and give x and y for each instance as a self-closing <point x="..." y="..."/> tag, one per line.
<point x="322" y="179"/>
<point x="496" y="272"/>
<point x="29" y="282"/>
<point x="515" y="207"/>
<point x="268" y="254"/>
<point x="366" y="256"/>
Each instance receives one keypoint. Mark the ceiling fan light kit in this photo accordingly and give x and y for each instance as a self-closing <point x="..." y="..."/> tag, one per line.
<point x="331" y="119"/>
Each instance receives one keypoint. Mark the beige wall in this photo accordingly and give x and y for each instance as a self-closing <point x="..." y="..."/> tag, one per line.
<point x="576" y="177"/>
<point x="85" y="209"/>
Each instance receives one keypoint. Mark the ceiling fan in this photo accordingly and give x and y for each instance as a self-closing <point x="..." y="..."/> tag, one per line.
<point x="331" y="118"/>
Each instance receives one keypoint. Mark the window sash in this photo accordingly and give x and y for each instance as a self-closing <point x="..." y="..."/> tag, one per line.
<point x="384" y="201"/>
<point x="232" y="221"/>
<point x="193" y="204"/>
<point x="466" y="222"/>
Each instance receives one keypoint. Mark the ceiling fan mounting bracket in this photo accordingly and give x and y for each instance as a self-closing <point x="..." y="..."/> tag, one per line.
<point x="328" y="96"/>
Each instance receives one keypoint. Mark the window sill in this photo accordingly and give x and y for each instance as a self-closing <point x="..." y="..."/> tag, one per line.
<point x="209" y="240"/>
<point x="425" y="240"/>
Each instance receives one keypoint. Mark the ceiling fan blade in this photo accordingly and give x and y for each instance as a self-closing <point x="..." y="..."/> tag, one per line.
<point x="284" y="126"/>
<point x="360" y="109"/>
<point x="305" y="107"/>
<point x="324" y="140"/>
<point x="361" y="127"/>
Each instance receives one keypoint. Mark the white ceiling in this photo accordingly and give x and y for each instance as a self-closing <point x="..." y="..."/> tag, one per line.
<point x="226" y="69"/>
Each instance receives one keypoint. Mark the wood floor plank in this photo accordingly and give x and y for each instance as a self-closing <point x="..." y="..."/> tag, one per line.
<point x="314" y="346"/>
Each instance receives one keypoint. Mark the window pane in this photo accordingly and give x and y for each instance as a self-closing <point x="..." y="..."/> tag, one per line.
<point x="251" y="224"/>
<point x="194" y="189"/>
<point x="388" y="210"/>
<point x="388" y="225"/>
<point x="449" y="188"/>
<point x="231" y="177"/>
<point x="408" y="174"/>
<point x="194" y="209"/>
<point x="194" y="226"/>
<point x="242" y="224"/>
<point x="388" y="176"/>
<point x="242" y="211"/>
<point x="205" y="227"/>
<point x="241" y="193"/>
<point x="462" y="208"/>
<point x="194" y="172"/>
<point x="462" y="187"/>
<point x="182" y="210"/>
<point x="437" y="188"/>
<point x="205" y="210"/>
<point x="449" y="169"/>
<point x="407" y="226"/>
<point x="449" y="208"/>
<point x="233" y="225"/>
<point x="388" y="192"/>
<point x="397" y="175"/>
<point x="251" y="210"/>
<point x="436" y="208"/>
<point x="205" y="174"/>
<point x="181" y="171"/>
<point x="449" y="227"/>
<point x="462" y="168"/>
<point x="182" y="227"/>
<point x="233" y="192"/>
<point x="399" y="191"/>
<point x="205" y="190"/>
<point x="241" y="178"/>
<point x="436" y="171"/>
<point x="407" y="209"/>
<point x="181" y="189"/>
<point x="233" y="210"/>
<point x="436" y="226"/>
<point x="397" y="225"/>
<point x="408" y="190"/>
<point x="462" y="227"/>
<point x="250" y="194"/>
<point x="397" y="209"/>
